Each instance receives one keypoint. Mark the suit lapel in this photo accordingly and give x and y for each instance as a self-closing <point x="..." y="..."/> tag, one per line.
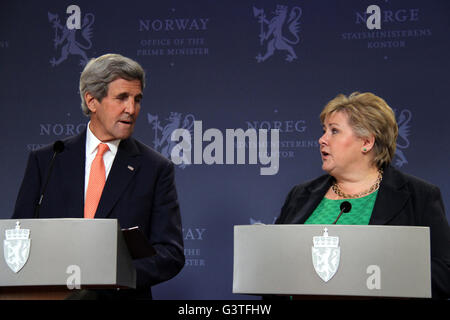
<point x="391" y="197"/>
<point x="72" y="169"/>
<point x="125" y="166"/>
<point x="310" y="199"/>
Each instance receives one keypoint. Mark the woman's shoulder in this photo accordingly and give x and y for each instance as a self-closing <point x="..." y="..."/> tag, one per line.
<point x="312" y="185"/>
<point x="413" y="182"/>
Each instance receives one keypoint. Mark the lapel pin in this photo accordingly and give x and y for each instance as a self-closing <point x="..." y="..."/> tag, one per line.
<point x="131" y="168"/>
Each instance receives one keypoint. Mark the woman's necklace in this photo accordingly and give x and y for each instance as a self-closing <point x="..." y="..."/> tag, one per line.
<point x="374" y="187"/>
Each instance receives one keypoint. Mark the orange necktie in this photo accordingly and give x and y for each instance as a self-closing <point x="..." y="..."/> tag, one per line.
<point x="97" y="178"/>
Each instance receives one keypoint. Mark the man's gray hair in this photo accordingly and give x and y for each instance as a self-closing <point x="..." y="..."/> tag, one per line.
<point x="101" y="71"/>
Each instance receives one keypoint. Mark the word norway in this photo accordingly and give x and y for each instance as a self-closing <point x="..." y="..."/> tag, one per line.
<point x="213" y="152"/>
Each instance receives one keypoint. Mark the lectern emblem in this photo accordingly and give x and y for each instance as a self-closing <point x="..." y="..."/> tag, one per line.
<point x="325" y="255"/>
<point x="16" y="247"/>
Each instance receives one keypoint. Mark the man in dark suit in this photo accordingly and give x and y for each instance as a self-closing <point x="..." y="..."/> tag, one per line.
<point x="105" y="173"/>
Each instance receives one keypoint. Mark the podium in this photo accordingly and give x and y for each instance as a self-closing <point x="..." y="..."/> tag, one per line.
<point x="49" y="258"/>
<point x="334" y="261"/>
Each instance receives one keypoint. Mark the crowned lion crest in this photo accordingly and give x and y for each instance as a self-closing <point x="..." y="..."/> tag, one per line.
<point x="162" y="141"/>
<point x="273" y="35"/>
<point x="66" y="39"/>
<point x="16" y="247"/>
<point x="326" y="255"/>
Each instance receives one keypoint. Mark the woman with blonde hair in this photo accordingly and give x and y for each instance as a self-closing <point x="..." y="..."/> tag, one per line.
<point x="357" y="147"/>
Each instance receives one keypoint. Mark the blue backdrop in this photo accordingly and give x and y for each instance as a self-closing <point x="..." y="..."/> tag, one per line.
<point x="229" y="64"/>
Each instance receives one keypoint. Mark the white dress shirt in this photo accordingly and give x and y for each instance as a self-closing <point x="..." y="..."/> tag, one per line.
<point x="91" y="151"/>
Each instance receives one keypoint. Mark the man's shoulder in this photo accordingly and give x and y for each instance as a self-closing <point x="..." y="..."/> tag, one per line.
<point x="50" y="149"/>
<point x="149" y="153"/>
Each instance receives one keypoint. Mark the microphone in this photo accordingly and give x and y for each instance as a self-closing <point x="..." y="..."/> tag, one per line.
<point x="58" y="147"/>
<point x="345" y="207"/>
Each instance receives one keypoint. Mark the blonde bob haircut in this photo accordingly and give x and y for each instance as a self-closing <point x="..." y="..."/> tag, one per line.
<point x="368" y="115"/>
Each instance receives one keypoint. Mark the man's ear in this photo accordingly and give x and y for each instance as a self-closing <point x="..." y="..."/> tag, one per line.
<point x="91" y="102"/>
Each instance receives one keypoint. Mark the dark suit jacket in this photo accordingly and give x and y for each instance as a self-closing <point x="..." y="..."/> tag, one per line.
<point x="144" y="197"/>
<point x="402" y="200"/>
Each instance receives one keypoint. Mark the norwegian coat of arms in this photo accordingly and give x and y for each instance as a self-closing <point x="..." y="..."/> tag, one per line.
<point x="274" y="36"/>
<point x="16" y="247"/>
<point x="66" y="38"/>
<point x="326" y="255"/>
<point x="162" y="141"/>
